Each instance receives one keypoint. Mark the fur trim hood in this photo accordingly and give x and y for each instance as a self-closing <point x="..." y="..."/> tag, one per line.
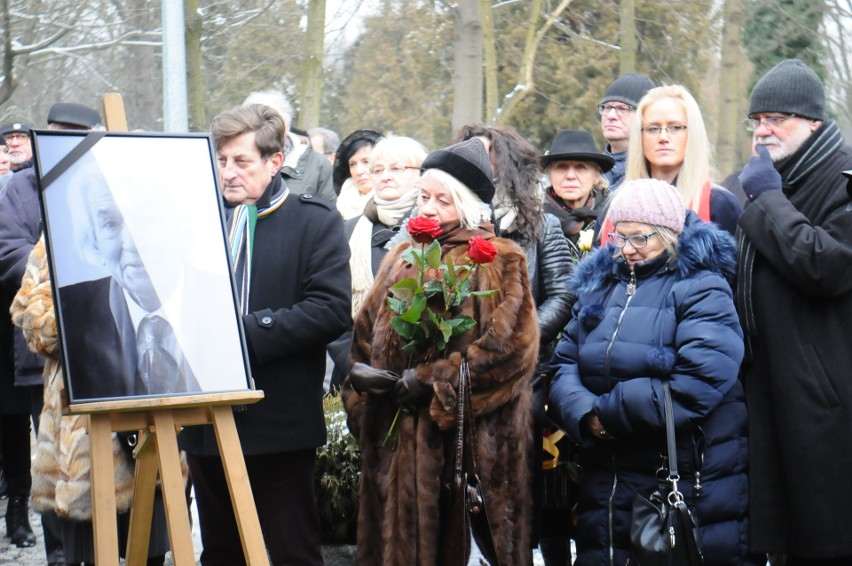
<point x="702" y="246"/>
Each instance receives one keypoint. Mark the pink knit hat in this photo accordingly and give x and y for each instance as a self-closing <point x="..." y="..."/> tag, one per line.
<point x="649" y="201"/>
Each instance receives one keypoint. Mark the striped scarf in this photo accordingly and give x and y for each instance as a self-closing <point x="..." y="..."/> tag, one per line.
<point x="241" y="235"/>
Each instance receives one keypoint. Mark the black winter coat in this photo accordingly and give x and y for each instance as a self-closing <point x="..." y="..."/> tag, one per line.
<point x="20" y="229"/>
<point x="299" y="301"/>
<point x="795" y="298"/>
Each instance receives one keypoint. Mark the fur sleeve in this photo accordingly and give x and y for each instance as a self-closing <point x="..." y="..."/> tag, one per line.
<point x="32" y="308"/>
<point x="503" y="357"/>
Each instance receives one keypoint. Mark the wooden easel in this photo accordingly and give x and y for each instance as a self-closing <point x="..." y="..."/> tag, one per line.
<point x="158" y="422"/>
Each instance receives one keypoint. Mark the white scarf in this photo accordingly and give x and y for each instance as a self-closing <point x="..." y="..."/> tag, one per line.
<point x="390" y="213"/>
<point x="350" y="202"/>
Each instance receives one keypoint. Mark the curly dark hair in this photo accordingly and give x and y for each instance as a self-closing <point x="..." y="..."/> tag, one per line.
<point x="516" y="173"/>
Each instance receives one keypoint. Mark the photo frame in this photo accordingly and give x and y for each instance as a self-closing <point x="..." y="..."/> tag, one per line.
<point x="144" y="297"/>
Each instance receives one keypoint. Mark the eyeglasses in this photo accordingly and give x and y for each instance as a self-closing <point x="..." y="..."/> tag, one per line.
<point x="673" y="130"/>
<point x="395" y="170"/>
<point x="638" y="241"/>
<point x="19" y="138"/>
<point x="771" y="122"/>
<point x="620" y="111"/>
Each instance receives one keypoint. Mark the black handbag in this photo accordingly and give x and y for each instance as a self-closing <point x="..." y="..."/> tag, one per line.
<point x="463" y="506"/>
<point x="662" y="529"/>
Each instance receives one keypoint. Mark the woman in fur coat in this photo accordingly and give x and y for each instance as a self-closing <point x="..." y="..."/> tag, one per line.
<point x="656" y="305"/>
<point x="61" y="467"/>
<point x="400" y="517"/>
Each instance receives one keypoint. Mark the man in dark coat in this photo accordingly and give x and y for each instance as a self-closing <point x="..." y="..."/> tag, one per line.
<point x="292" y="274"/>
<point x="794" y="295"/>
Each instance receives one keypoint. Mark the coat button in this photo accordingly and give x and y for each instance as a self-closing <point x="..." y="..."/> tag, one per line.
<point x="308" y="195"/>
<point x="449" y="401"/>
<point x="267" y="320"/>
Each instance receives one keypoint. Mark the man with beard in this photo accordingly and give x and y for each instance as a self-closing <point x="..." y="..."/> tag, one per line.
<point x="794" y="294"/>
<point x="17" y="139"/>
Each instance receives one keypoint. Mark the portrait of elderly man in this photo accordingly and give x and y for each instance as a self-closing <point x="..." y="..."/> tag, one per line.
<point x="137" y="316"/>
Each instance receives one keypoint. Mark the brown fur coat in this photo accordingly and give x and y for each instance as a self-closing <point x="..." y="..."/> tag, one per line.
<point x="61" y="467"/>
<point x="399" y="516"/>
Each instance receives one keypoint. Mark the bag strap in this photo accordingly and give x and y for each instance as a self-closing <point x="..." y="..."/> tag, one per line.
<point x="461" y="401"/>
<point x="479" y="521"/>
<point x="671" y="442"/>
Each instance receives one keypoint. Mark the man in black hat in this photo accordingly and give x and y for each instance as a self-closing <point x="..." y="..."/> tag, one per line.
<point x="16" y="136"/>
<point x="616" y="108"/>
<point x="795" y="301"/>
<point x="20" y="229"/>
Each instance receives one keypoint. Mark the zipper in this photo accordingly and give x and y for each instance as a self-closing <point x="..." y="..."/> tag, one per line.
<point x="631" y="290"/>
<point x="610" y="527"/>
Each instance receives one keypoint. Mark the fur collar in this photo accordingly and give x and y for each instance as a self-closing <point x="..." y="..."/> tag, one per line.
<point x="703" y="246"/>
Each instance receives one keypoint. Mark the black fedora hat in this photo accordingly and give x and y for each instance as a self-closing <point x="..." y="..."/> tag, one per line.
<point x="576" y="145"/>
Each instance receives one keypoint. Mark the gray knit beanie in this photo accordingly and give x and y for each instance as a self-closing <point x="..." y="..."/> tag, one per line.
<point x="790" y="87"/>
<point x="649" y="201"/>
<point x="469" y="163"/>
<point x="629" y="89"/>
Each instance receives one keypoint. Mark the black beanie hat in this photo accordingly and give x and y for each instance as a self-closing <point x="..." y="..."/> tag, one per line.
<point x="629" y="89"/>
<point x="790" y="87"/>
<point x="468" y="162"/>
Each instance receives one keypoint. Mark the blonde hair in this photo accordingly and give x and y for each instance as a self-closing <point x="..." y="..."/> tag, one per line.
<point x="472" y="211"/>
<point x="697" y="167"/>
<point x="399" y="149"/>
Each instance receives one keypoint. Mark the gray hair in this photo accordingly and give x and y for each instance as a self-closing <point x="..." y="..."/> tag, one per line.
<point x="330" y="139"/>
<point x="275" y="99"/>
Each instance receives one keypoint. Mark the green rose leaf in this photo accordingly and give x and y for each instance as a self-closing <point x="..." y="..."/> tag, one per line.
<point x="433" y="255"/>
<point x="461" y="324"/>
<point x="404" y="289"/>
<point x="432" y="288"/>
<point x="483" y="293"/>
<point x="413" y="256"/>
<point x="410" y="348"/>
<point x="418" y="304"/>
<point x="446" y="331"/>
<point x="403" y="328"/>
<point x="397" y="306"/>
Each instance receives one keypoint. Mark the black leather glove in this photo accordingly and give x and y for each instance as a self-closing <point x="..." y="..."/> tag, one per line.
<point x="367" y="379"/>
<point x="759" y="174"/>
<point x="410" y="392"/>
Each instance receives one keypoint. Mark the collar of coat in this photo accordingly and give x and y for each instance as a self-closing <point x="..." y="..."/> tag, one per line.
<point x="702" y="246"/>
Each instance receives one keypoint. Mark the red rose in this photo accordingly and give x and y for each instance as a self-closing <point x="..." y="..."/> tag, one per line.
<point x="424" y="230"/>
<point x="481" y="250"/>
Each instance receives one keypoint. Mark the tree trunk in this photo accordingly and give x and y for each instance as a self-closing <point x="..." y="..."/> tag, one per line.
<point x="490" y="54"/>
<point x="467" y="72"/>
<point x="8" y="84"/>
<point x="526" y="80"/>
<point x="627" y="37"/>
<point x="309" y="113"/>
<point x="729" y="89"/>
<point x="194" y="77"/>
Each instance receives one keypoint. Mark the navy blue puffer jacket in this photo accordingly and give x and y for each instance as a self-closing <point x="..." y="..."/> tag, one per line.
<point x="680" y="325"/>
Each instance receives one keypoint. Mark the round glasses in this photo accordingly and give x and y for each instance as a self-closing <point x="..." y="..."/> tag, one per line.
<point x="638" y="241"/>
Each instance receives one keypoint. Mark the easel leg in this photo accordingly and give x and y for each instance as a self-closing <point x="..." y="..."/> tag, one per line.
<point x="142" y="510"/>
<point x="103" y="491"/>
<point x="236" y="475"/>
<point x="177" y="514"/>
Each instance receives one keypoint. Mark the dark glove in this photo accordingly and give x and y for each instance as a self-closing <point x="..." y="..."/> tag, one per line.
<point x="410" y="392"/>
<point x="759" y="174"/>
<point x="367" y="379"/>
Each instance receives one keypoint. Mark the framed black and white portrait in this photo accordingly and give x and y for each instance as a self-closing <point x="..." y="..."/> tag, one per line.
<point x="143" y="293"/>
